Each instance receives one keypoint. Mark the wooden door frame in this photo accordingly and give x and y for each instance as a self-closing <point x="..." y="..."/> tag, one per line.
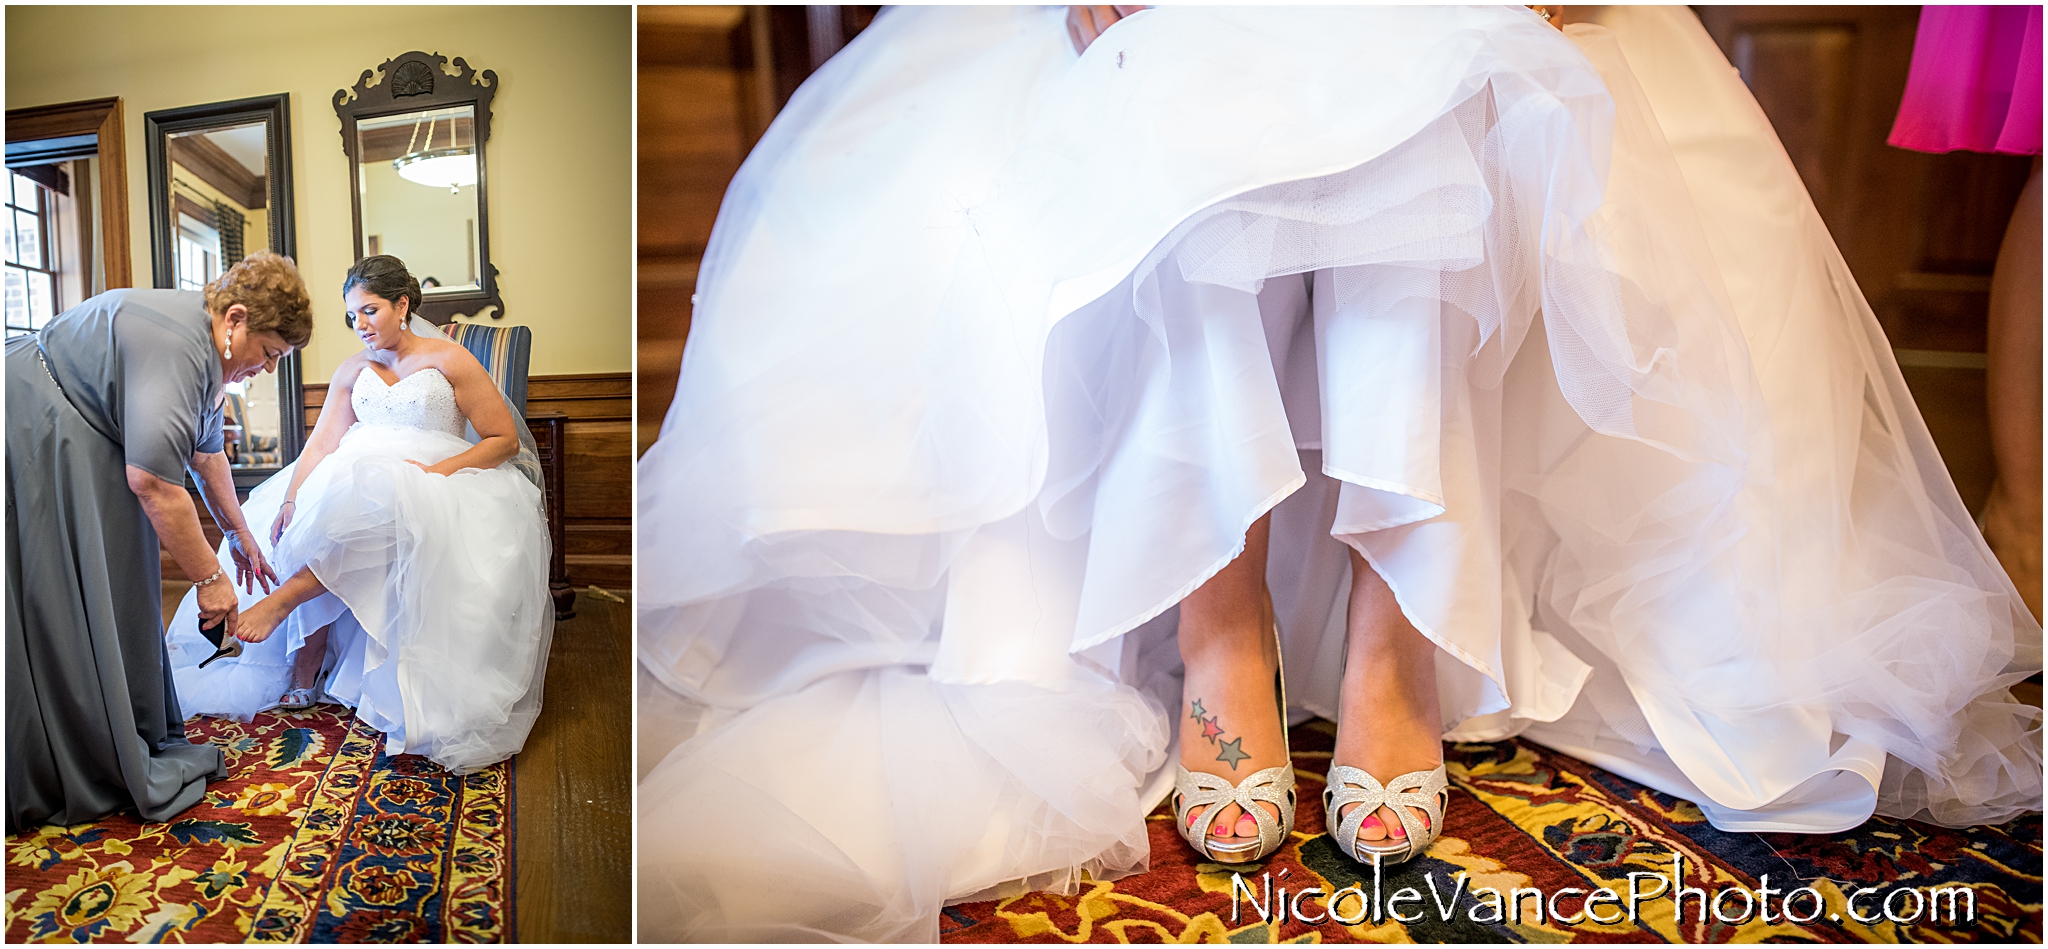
<point x="103" y="120"/>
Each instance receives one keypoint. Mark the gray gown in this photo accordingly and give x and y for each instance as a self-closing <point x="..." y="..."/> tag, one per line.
<point x="93" y="725"/>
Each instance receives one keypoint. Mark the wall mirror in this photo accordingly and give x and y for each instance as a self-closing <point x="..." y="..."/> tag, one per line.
<point x="220" y="188"/>
<point x="414" y="130"/>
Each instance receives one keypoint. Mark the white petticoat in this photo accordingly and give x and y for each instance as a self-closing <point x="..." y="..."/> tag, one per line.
<point x="437" y="592"/>
<point x="997" y="352"/>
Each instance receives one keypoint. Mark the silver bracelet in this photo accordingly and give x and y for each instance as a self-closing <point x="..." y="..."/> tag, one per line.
<point x="216" y="575"/>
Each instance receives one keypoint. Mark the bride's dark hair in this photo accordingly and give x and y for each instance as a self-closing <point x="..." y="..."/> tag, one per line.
<point x="385" y="276"/>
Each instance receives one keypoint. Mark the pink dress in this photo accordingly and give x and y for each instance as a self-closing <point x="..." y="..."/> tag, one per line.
<point x="1975" y="83"/>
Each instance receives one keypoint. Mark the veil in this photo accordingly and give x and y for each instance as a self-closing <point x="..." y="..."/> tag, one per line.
<point x="528" y="459"/>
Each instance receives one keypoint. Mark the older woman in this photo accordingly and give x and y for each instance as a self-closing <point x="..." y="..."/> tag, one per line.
<point x="107" y="407"/>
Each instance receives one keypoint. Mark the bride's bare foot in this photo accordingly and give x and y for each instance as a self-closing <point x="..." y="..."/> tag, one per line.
<point x="262" y="619"/>
<point x="1391" y="723"/>
<point x="1230" y="724"/>
<point x="259" y="621"/>
<point x="1230" y="721"/>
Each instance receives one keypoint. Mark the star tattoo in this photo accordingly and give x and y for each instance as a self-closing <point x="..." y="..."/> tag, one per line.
<point x="1210" y="729"/>
<point x="1199" y="711"/>
<point x="1233" y="752"/>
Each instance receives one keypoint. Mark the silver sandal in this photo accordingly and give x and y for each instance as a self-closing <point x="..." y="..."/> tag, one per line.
<point x="1273" y="785"/>
<point x="298" y="700"/>
<point x="1428" y="790"/>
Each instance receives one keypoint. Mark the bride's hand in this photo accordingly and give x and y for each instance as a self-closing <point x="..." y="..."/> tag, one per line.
<point x="250" y="566"/>
<point x="430" y="469"/>
<point x="284" y="520"/>
<point x="1551" y="13"/>
<point x="1084" y="24"/>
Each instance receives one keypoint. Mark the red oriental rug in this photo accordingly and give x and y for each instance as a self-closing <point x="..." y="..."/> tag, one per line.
<point x="316" y="836"/>
<point x="1533" y="836"/>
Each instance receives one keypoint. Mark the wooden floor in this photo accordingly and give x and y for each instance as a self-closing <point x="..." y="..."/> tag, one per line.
<point x="575" y="788"/>
<point x="575" y="791"/>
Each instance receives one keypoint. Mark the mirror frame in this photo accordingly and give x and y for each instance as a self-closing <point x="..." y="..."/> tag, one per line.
<point x="274" y="111"/>
<point x="413" y="82"/>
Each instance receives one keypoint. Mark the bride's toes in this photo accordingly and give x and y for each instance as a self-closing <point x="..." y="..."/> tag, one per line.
<point x="1226" y="822"/>
<point x="1232" y="821"/>
<point x="1370" y="830"/>
<point x="1384" y="825"/>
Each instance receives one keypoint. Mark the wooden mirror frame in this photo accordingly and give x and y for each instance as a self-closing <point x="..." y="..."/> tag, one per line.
<point x="274" y="112"/>
<point x="413" y="82"/>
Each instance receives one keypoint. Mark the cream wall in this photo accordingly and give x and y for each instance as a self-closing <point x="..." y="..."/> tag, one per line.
<point x="428" y="228"/>
<point x="560" y="152"/>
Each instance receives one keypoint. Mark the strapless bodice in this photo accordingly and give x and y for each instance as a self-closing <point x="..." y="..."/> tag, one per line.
<point x="421" y="400"/>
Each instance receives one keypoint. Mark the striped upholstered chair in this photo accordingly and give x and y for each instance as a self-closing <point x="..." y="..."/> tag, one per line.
<point x="251" y="451"/>
<point x="504" y="351"/>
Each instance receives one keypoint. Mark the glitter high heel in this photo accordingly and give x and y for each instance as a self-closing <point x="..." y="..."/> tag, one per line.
<point x="1428" y="790"/>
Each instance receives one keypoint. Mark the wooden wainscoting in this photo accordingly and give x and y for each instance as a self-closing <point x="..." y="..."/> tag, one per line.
<point x="598" y="512"/>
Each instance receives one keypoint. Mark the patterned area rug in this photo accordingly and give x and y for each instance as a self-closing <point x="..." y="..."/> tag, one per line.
<point x="317" y="836"/>
<point x="1525" y="818"/>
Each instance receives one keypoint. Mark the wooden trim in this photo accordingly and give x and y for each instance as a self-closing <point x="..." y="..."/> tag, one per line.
<point x="101" y="118"/>
<point x="180" y="204"/>
<point x="116" y="259"/>
<point x="213" y="165"/>
<point x="62" y="120"/>
<point x="391" y="141"/>
<point x="582" y="396"/>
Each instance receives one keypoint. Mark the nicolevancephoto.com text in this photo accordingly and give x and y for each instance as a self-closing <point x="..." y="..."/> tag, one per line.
<point x="1271" y="900"/>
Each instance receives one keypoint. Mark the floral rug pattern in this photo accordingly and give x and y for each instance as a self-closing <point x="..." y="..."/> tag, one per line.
<point x="1524" y="818"/>
<point x="317" y="835"/>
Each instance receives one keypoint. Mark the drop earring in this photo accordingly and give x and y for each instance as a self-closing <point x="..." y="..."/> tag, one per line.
<point x="227" y="349"/>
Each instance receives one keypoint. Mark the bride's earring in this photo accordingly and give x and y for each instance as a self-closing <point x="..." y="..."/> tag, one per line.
<point x="227" y="349"/>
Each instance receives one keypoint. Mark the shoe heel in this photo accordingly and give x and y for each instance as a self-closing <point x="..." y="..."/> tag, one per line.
<point x="226" y="648"/>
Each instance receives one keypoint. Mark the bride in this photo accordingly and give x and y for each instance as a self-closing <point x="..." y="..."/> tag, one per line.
<point x="416" y="558"/>
<point x="1471" y="378"/>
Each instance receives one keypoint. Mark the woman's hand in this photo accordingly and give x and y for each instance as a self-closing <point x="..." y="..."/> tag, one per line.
<point x="436" y="469"/>
<point x="250" y="566"/>
<point x="284" y="520"/>
<point x="1551" y="13"/>
<point x="1084" y="24"/>
<point x="217" y="602"/>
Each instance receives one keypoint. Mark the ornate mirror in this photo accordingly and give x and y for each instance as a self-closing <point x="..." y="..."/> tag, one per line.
<point x="220" y="187"/>
<point x="414" y="130"/>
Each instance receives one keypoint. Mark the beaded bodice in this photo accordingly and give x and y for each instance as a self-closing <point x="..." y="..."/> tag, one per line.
<point x="421" y="400"/>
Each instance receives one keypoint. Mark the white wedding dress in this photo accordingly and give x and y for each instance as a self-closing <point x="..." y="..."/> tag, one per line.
<point x="437" y="587"/>
<point x="998" y="350"/>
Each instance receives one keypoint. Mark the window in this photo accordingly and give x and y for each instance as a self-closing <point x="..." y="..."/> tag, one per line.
<point x="31" y="255"/>
<point x="198" y="253"/>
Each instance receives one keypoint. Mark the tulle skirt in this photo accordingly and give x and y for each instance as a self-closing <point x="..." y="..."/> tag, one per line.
<point x="997" y="353"/>
<point x="437" y="596"/>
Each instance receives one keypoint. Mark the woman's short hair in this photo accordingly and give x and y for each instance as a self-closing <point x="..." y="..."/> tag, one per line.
<point x="267" y="284"/>
<point x="385" y="276"/>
